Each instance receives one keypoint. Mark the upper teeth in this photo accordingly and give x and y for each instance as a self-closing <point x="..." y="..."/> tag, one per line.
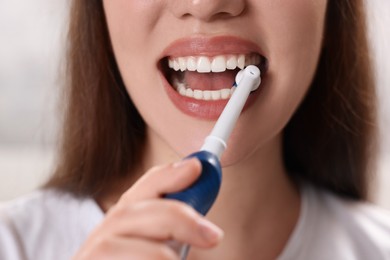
<point x="220" y="63"/>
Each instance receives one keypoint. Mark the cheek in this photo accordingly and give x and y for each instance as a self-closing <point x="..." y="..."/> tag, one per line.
<point x="293" y="35"/>
<point x="130" y="22"/>
<point x="137" y="40"/>
<point x="295" y="32"/>
<point x="131" y="27"/>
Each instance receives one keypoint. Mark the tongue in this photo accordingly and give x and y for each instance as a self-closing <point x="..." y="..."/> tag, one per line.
<point x="210" y="81"/>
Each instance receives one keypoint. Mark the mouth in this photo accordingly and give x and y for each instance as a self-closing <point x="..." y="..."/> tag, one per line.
<point x="208" y="78"/>
<point x="201" y="82"/>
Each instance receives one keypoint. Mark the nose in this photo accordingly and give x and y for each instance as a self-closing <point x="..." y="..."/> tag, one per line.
<point x="207" y="10"/>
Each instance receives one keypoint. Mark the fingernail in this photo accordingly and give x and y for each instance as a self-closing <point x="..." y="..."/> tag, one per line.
<point x="209" y="231"/>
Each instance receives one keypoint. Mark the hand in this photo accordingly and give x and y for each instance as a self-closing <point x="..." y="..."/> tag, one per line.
<point x="141" y="223"/>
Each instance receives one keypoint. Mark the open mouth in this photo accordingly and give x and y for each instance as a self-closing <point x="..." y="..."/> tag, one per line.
<point x="208" y="78"/>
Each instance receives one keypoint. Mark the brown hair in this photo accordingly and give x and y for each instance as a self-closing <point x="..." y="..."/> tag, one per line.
<point x="328" y="142"/>
<point x="331" y="139"/>
<point x="103" y="133"/>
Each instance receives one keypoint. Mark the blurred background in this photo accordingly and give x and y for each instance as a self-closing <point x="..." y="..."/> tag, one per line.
<point x="31" y="57"/>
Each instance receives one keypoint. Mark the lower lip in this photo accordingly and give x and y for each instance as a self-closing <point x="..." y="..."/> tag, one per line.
<point x="202" y="109"/>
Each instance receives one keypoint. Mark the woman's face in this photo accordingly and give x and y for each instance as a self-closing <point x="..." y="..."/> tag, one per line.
<point x="178" y="59"/>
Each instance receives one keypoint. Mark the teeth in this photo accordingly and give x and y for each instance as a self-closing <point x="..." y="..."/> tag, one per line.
<point x="241" y="61"/>
<point x="225" y="93"/>
<point x="220" y="63"/>
<point x="191" y="64"/>
<point x="204" y="65"/>
<point x="207" y="94"/>
<point x="216" y="94"/>
<point x="183" y="90"/>
<point x="189" y="92"/>
<point x="176" y="65"/>
<point x="231" y="63"/>
<point x="198" y="94"/>
<point x="254" y="59"/>
<point x="182" y="64"/>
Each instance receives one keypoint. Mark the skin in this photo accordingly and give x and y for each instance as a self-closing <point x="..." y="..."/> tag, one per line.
<point x="258" y="205"/>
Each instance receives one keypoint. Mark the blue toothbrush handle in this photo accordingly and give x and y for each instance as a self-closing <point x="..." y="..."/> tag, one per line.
<point x="203" y="192"/>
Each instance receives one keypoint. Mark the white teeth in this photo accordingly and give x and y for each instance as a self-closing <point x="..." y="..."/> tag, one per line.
<point x="216" y="94"/>
<point x="191" y="64"/>
<point x="225" y="93"/>
<point x="204" y="65"/>
<point x="176" y="65"/>
<point x="241" y="61"/>
<point x="182" y="64"/>
<point x="207" y="94"/>
<point x="220" y="63"/>
<point x="231" y="63"/>
<point x="189" y="92"/>
<point x="186" y="91"/>
<point x="182" y="90"/>
<point x="198" y="94"/>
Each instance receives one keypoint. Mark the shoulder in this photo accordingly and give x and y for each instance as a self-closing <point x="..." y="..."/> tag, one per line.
<point x="45" y="219"/>
<point x="366" y="223"/>
<point x="338" y="228"/>
<point x="47" y="208"/>
<point x="39" y="202"/>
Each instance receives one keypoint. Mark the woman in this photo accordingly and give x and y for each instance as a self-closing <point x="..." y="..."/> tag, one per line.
<point x="295" y="174"/>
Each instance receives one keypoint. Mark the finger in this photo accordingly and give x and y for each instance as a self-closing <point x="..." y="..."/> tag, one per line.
<point x="162" y="180"/>
<point x="164" y="220"/>
<point x="127" y="248"/>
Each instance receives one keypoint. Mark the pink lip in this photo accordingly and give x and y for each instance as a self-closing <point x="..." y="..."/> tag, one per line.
<point x="195" y="46"/>
<point x="210" y="46"/>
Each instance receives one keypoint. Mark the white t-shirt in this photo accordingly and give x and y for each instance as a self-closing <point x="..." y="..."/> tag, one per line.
<point x="49" y="225"/>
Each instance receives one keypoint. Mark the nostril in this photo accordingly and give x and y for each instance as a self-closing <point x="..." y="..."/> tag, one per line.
<point x="207" y="10"/>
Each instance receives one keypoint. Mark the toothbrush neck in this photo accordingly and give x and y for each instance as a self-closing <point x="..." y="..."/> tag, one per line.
<point x="214" y="145"/>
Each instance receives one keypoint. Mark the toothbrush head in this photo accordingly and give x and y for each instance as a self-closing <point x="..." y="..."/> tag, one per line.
<point x="253" y="71"/>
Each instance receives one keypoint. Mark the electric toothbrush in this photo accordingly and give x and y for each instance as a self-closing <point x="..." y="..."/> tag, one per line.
<point x="202" y="194"/>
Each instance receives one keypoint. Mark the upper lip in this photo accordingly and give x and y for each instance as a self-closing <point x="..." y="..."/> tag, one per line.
<point x="210" y="46"/>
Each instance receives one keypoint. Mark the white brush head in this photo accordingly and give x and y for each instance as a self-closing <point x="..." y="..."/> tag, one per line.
<point x="253" y="71"/>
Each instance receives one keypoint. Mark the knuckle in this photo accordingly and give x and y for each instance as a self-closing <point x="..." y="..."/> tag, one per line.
<point x="119" y="211"/>
<point x="177" y="208"/>
<point x="182" y="211"/>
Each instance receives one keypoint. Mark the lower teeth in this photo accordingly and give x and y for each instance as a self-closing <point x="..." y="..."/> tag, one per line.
<point x="184" y="90"/>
